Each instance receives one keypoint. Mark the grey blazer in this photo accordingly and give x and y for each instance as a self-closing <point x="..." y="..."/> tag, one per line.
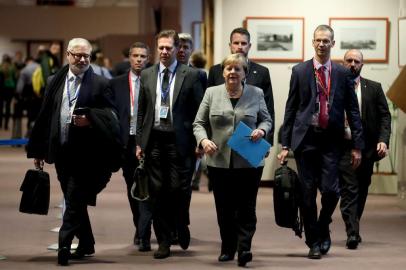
<point x="216" y="120"/>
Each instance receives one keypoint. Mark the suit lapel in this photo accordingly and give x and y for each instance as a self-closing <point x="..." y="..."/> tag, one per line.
<point x="364" y="94"/>
<point x="180" y="76"/>
<point x="312" y="80"/>
<point x="333" y="81"/>
<point x="85" y="91"/>
<point x="152" y="84"/>
<point x="126" y="88"/>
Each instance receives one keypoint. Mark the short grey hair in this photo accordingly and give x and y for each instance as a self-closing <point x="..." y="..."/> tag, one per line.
<point x="78" y="42"/>
<point x="186" y="37"/>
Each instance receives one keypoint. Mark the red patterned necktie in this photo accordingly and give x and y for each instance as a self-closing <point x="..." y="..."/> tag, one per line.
<point x="323" y="99"/>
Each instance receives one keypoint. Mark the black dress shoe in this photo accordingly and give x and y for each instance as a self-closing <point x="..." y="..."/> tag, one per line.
<point x="226" y="257"/>
<point x="325" y="245"/>
<point x="63" y="256"/>
<point x="359" y="238"/>
<point x="244" y="257"/>
<point x="144" y="246"/>
<point x="314" y="252"/>
<point x="162" y="252"/>
<point x="352" y="242"/>
<point x="82" y="252"/>
<point x="184" y="237"/>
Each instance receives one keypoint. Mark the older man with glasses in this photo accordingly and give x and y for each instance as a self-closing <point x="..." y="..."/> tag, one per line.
<point x="75" y="99"/>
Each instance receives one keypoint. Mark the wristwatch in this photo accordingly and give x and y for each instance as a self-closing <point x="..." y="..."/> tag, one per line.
<point x="285" y="148"/>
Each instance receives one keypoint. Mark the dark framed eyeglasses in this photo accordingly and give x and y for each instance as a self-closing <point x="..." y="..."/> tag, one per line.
<point x="79" y="56"/>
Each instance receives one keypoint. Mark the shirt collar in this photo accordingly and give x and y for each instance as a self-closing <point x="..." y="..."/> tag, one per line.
<point x="134" y="76"/>
<point x="357" y="80"/>
<point x="171" y="68"/>
<point x="317" y="65"/>
<point x="70" y="75"/>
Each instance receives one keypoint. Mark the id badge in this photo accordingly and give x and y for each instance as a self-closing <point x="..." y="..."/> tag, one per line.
<point x="163" y="112"/>
<point x="69" y="119"/>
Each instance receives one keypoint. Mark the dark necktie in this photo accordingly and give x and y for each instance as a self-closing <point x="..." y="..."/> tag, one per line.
<point x="323" y="99"/>
<point x="165" y="82"/>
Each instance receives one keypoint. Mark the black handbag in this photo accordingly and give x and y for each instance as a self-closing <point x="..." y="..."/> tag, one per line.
<point x="139" y="189"/>
<point x="36" y="190"/>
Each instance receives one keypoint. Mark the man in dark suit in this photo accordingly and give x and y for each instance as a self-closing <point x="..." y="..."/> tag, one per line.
<point x="184" y="53"/>
<point x="169" y="98"/>
<point x="75" y="100"/>
<point x="183" y="56"/>
<point x="320" y="92"/>
<point x="257" y="75"/>
<point x="376" y="125"/>
<point x="126" y="89"/>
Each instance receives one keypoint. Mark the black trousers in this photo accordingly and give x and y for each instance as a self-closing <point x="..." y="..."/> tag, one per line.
<point x="169" y="175"/>
<point x="130" y="162"/>
<point x="235" y="194"/>
<point x="75" y="221"/>
<point x="317" y="163"/>
<point x="354" y="186"/>
<point x="80" y="182"/>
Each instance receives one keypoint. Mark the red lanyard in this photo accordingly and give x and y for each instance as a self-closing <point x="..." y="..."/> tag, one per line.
<point x="326" y="89"/>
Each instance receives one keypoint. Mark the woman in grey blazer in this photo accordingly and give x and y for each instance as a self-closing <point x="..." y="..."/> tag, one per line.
<point x="235" y="181"/>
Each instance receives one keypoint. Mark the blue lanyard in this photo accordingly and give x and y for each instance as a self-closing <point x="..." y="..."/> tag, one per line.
<point x="165" y="92"/>
<point x="70" y="102"/>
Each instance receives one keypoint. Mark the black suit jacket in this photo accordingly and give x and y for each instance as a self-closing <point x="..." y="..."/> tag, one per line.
<point x="45" y="138"/>
<point x="375" y="115"/>
<point x="300" y="106"/>
<point x="187" y="96"/>
<point x="258" y="76"/>
<point x="121" y="91"/>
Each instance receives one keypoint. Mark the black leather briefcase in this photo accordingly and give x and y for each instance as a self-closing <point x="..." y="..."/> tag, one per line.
<point x="36" y="189"/>
<point x="286" y="199"/>
<point x="139" y="189"/>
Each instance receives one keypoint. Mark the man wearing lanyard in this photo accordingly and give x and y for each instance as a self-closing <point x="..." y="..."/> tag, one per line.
<point x="320" y="92"/>
<point x="126" y="90"/>
<point x="62" y="135"/>
<point x="170" y="96"/>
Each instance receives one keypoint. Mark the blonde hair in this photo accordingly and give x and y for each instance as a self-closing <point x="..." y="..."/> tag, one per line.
<point x="235" y="58"/>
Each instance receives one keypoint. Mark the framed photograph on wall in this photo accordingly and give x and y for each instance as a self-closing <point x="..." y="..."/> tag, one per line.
<point x="402" y="41"/>
<point x="276" y="39"/>
<point x="370" y="35"/>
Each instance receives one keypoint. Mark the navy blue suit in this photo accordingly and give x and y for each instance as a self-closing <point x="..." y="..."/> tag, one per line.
<point x="317" y="152"/>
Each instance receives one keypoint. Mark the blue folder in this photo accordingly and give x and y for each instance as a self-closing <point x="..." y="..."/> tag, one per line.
<point x="253" y="152"/>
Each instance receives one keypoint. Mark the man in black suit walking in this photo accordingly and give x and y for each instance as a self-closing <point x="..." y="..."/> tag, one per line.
<point x="169" y="98"/>
<point x="320" y="92"/>
<point x="126" y="89"/>
<point x="73" y="130"/>
<point x="257" y="75"/>
<point x="376" y="125"/>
